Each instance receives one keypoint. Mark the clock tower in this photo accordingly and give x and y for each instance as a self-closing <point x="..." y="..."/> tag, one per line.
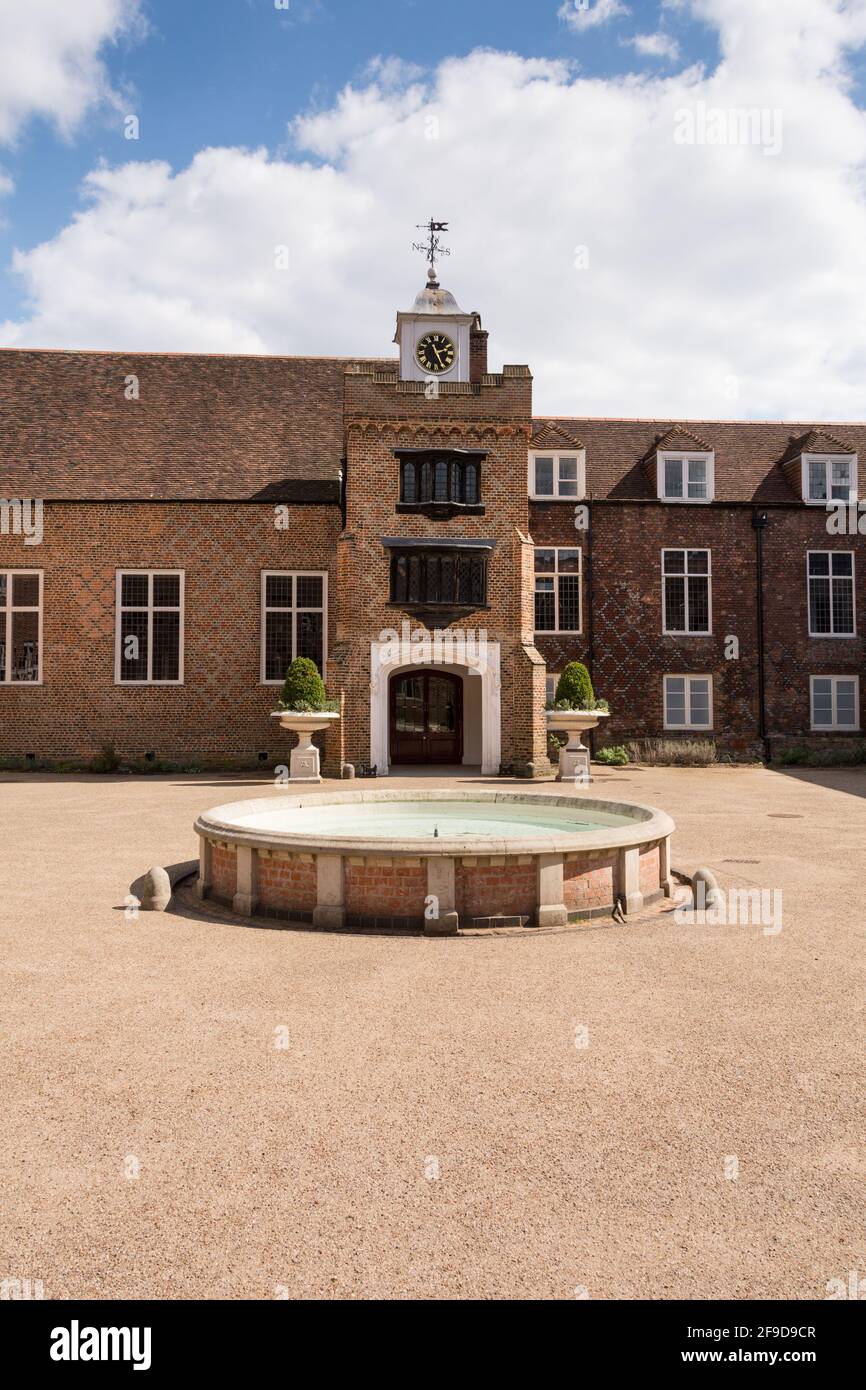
<point x="434" y="336"/>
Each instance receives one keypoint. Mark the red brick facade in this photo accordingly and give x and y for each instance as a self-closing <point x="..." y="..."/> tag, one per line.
<point x="224" y="468"/>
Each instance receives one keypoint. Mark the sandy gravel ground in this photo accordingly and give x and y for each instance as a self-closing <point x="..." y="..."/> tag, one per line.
<point x="433" y="1127"/>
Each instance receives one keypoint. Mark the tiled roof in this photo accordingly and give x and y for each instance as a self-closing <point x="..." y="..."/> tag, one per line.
<point x="548" y="434"/>
<point x="219" y="427"/>
<point x="225" y="427"/>
<point x="677" y="439"/>
<point x="817" y="441"/>
<point x="749" y="454"/>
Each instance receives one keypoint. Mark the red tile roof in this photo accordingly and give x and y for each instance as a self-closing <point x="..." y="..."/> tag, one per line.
<point x="748" y="453"/>
<point x="227" y="427"/>
<point x="219" y="427"/>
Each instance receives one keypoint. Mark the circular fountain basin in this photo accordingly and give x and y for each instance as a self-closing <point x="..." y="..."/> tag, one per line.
<point x="432" y="860"/>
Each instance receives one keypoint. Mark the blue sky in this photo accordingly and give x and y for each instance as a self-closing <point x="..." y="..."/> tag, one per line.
<point x="235" y="72"/>
<point x="640" y="265"/>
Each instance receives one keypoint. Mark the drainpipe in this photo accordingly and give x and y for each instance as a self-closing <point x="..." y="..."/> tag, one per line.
<point x="759" y="523"/>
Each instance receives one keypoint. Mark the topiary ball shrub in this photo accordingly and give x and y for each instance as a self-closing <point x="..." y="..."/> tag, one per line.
<point x="303" y="689"/>
<point x="574" y="688"/>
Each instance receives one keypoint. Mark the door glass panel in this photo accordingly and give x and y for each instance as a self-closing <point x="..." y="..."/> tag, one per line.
<point x="410" y="706"/>
<point x="443" y="715"/>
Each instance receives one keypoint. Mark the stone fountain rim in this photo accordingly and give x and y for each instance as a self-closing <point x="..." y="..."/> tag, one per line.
<point x="650" y="825"/>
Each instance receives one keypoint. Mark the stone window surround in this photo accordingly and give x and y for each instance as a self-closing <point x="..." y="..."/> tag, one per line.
<point x="293" y="574"/>
<point x="686" y="456"/>
<point x="555" y="575"/>
<point x="557" y="495"/>
<point x="852" y="579"/>
<point x="835" y="726"/>
<point x="688" y="677"/>
<point x="827" y="460"/>
<point x="6" y="612"/>
<point x="685" y="575"/>
<point x="120" y="608"/>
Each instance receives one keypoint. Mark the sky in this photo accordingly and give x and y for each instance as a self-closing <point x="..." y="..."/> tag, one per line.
<point x="659" y="205"/>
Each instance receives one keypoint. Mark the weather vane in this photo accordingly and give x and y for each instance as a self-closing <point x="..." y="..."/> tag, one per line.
<point x="431" y="248"/>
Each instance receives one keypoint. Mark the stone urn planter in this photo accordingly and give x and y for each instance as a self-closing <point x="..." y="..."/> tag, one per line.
<point x="574" y="757"/>
<point x="304" y="760"/>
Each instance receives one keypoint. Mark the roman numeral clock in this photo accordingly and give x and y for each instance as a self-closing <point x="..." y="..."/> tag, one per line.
<point x="436" y="352"/>
<point x="434" y="334"/>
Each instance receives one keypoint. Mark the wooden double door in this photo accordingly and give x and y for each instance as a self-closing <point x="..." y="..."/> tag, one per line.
<point x="426" y="718"/>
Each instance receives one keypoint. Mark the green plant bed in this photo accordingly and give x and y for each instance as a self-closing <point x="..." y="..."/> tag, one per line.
<point x="612" y="756"/>
<point x="670" y="752"/>
<point x="821" y="757"/>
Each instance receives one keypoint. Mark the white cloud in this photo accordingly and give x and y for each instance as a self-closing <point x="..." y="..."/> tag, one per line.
<point x="50" y="63"/>
<point x="706" y="263"/>
<point x="658" y="45"/>
<point x="589" y="14"/>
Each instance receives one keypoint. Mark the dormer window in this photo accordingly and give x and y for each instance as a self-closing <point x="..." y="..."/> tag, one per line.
<point x="829" y="478"/>
<point x="554" y="476"/>
<point x="686" y="477"/>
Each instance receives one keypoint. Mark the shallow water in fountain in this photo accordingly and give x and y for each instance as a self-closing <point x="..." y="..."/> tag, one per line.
<point x="423" y="820"/>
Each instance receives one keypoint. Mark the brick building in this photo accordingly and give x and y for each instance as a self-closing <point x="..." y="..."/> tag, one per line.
<point x="176" y="527"/>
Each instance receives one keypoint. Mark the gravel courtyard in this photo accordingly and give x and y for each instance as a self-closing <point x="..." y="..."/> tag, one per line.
<point x="650" y="1111"/>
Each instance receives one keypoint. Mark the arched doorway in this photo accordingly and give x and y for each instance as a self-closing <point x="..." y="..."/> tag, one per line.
<point x="426" y="716"/>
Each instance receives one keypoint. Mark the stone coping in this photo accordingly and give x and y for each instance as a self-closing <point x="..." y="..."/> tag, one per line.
<point x="649" y="824"/>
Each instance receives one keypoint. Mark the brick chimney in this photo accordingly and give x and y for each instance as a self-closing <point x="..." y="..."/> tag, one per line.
<point x="477" y="349"/>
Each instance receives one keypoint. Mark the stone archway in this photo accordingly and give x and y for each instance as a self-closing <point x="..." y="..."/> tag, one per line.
<point x="479" y="663"/>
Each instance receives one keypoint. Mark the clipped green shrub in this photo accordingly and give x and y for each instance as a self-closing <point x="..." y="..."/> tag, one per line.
<point x="574" y="688"/>
<point x="303" y="689"/>
<point x="613" y="756"/>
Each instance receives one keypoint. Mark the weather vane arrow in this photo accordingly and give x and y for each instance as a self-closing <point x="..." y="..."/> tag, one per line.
<point x="432" y="248"/>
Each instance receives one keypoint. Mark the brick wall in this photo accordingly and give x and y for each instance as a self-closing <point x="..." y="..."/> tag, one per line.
<point x="382" y="415"/>
<point x="791" y="655"/>
<point x="587" y="885"/>
<point x="386" y="888"/>
<point x="288" y="882"/>
<point x="622" y="604"/>
<point x="224" y="867"/>
<point x="491" y="888"/>
<point x="221" y="710"/>
<point x="649" y="870"/>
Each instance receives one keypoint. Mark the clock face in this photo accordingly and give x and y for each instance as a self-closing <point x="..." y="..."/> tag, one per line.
<point x="436" y="352"/>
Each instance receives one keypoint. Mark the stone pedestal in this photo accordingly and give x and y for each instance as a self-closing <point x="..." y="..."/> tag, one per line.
<point x="247" y="891"/>
<point x="628" y="880"/>
<point x="330" y="909"/>
<point x="574" y="762"/>
<point x="440" y="886"/>
<point x="551" y="910"/>
<point x="574" y="757"/>
<point x="304" y="765"/>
